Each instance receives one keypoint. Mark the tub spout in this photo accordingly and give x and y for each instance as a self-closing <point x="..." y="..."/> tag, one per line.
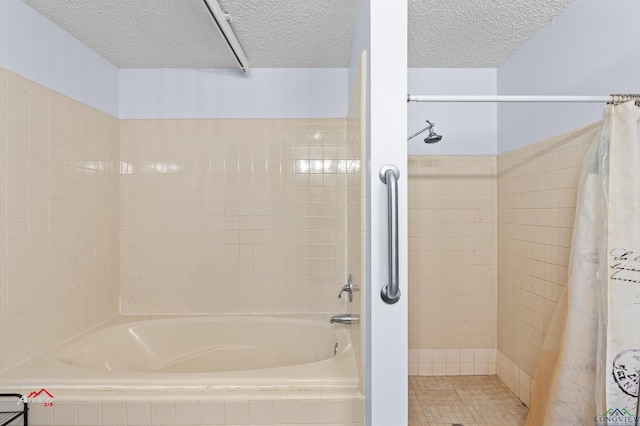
<point x="345" y="319"/>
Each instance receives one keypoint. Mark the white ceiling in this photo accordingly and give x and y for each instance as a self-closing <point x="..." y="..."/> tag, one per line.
<point x="474" y="33"/>
<point x="294" y="33"/>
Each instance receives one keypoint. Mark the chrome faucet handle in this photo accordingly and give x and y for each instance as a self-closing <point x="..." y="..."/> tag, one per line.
<point x="349" y="287"/>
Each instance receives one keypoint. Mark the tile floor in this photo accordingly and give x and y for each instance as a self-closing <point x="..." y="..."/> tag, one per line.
<point x="466" y="400"/>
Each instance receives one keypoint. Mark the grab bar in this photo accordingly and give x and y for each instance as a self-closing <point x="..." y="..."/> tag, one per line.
<point x="389" y="174"/>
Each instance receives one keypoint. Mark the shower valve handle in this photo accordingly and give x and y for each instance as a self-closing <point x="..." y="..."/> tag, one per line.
<point x="349" y="287"/>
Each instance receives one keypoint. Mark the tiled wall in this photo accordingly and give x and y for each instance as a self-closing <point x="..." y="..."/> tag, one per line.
<point x="260" y="204"/>
<point x="59" y="261"/>
<point x="232" y="215"/>
<point x="236" y="407"/>
<point x="537" y="187"/>
<point x="452" y="265"/>
<point x="215" y="216"/>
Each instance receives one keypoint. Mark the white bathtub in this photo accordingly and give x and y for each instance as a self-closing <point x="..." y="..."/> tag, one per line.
<point x="230" y="352"/>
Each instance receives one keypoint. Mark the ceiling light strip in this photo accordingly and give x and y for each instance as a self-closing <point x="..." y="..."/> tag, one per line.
<point x="220" y="19"/>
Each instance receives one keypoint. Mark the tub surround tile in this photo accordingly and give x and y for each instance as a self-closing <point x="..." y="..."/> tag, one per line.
<point x="65" y="414"/>
<point x="212" y="413"/>
<point x="205" y="203"/>
<point x="312" y="409"/>
<point x="286" y="412"/>
<point x="59" y="168"/>
<point x="261" y="412"/>
<point x="187" y="413"/>
<point x="114" y="413"/>
<point x="65" y="252"/>
<point x="337" y="408"/>
<point x="236" y="412"/>
<point x="76" y="177"/>
<point x="90" y="414"/>
<point x="39" y="415"/>
<point x="138" y="413"/>
<point x="163" y="413"/>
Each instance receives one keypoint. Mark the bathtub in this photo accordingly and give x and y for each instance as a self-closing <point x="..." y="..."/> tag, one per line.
<point x="191" y="353"/>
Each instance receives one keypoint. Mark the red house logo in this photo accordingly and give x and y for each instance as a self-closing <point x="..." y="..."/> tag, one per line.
<point x="42" y="396"/>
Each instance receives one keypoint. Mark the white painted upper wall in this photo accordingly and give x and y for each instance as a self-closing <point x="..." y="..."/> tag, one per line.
<point x="37" y="49"/>
<point x="221" y="93"/>
<point x="593" y="48"/>
<point x="590" y="49"/>
<point x="466" y="128"/>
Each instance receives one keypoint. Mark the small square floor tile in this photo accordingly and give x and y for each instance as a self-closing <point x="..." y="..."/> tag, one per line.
<point x="466" y="400"/>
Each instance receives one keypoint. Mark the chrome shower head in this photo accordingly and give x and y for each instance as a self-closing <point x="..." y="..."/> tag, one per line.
<point x="433" y="137"/>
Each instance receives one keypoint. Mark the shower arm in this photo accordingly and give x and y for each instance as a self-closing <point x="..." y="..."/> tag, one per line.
<point x="430" y="126"/>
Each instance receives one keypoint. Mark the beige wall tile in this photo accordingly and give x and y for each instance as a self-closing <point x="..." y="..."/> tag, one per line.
<point x="232" y="216"/>
<point x="537" y="187"/>
<point x="452" y="258"/>
<point x="60" y="219"/>
<point x="169" y="216"/>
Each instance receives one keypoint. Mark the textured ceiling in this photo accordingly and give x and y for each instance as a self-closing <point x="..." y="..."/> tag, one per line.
<point x="142" y="33"/>
<point x="294" y="33"/>
<point x="474" y="33"/>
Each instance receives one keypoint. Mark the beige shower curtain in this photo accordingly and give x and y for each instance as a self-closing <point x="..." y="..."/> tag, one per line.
<point x="587" y="372"/>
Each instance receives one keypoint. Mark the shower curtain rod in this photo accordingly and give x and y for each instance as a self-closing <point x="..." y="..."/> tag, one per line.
<point x="506" y="98"/>
<point x="222" y="20"/>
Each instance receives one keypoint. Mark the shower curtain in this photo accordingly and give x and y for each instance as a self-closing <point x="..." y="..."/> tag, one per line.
<point x="588" y="368"/>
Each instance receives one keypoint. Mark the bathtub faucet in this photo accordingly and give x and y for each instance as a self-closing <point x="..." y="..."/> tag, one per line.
<point x="345" y="319"/>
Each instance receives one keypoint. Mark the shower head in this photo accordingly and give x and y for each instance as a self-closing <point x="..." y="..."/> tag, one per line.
<point x="433" y="137"/>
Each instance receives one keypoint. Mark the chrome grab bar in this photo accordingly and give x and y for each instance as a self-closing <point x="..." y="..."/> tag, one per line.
<point x="389" y="174"/>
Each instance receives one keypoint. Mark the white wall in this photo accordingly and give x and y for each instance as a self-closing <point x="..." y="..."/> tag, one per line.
<point x="219" y="93"/>
<point x="593" y="48"/>
<point x="39" y="50"/>
<point x="386" y="144"/>
<point x="466" y="128"/>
